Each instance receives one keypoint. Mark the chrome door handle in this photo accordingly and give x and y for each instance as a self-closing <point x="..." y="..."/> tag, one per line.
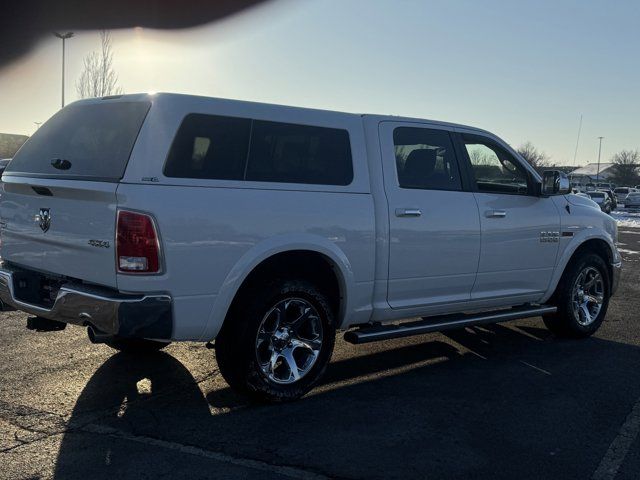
<point x="408" y="212"/>
<point x="495" y="213"/>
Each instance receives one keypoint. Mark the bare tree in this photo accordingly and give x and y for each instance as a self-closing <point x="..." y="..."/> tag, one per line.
<point x="536" y="158"/>
<point x="98" y="78"/>
<point x="625" y="168"/>
<point x="479" y="156"/>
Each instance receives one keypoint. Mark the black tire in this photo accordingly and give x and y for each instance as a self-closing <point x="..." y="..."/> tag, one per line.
<point x="237" y="348"/>
<point x="138" y="346"/>
<point x="565" y="323"/>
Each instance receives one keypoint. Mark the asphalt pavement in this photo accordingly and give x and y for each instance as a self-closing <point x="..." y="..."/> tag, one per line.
<point x="505" y="401"/>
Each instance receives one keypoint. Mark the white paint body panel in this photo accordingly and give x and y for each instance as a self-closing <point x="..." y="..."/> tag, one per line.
<point x="213" y="237"/>
<point x="80" y="211"/>
<point x="514" y="261"/>
<point x="433" y="258"/>
<point x="213" y="233"/>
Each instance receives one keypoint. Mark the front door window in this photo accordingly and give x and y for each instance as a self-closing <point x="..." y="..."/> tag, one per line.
<point x="494" y="169"/>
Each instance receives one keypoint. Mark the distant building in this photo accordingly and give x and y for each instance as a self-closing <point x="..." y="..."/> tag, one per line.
<point x="590" y="174"/>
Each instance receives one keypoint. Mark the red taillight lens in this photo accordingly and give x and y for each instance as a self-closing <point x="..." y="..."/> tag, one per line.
<point x="137" y="243"/>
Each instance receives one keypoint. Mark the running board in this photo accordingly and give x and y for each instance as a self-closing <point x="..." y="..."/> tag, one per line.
<point x="375" y="333"/>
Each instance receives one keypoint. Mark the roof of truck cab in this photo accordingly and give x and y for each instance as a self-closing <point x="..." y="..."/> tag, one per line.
<point x="169" y="98"/>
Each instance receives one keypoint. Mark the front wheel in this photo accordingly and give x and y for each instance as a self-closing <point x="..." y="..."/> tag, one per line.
<point x="582" y="298"/>
<point x="276" y="344"/>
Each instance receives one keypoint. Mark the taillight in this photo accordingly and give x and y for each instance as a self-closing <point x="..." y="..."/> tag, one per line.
<point x="137" y="247"/>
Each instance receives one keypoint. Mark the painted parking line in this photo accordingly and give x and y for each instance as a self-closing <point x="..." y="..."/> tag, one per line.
<point x="283" y="470"/>
<point x="613" y="459"/>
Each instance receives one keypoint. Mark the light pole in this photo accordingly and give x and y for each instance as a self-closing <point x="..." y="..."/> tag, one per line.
<point x="63" y="37"/>
<point x="599" y="152"/>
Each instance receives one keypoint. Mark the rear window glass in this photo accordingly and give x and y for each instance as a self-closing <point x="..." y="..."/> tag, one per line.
<point x="230" y="148"/>
<point x="621" y="190"/>
<point x="90" y="141"/>
<point x="425" y="159"/>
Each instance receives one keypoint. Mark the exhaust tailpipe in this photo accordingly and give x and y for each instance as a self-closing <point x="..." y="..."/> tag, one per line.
<point x="96" y="336"/>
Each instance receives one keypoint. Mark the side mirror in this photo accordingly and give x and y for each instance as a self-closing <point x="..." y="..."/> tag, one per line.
<point x="555" y="182"/>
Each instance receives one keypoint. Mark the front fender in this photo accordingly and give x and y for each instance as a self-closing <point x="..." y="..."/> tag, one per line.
<point x="266" y="249"/>
<point x="579" y="238"/>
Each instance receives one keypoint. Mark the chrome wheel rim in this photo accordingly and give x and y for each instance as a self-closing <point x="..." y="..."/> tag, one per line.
<point x="588" y="296"/>
<point x="289" y="340"/>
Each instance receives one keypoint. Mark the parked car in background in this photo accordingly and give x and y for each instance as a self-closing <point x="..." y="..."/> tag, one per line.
<point x="612" y="197"/>
<point x="605" y="186"/>
<point x="286" y="224"/>
<point x="602" y="199"/>
<point x="621" y="193"/>
<point x="632" y="201"/>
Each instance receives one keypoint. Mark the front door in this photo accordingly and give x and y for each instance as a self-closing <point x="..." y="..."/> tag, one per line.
<point x="434" y="225"/>
<point x="520" y="230"/>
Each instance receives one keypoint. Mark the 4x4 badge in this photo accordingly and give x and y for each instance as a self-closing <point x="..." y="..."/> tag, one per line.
<point x="44" y="219"/>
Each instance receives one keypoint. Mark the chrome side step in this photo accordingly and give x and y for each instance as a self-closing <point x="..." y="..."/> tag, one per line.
<point x="375" y="333"/>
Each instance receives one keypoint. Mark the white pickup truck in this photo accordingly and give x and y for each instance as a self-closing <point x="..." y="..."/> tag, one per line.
<point x="265" y="229"/>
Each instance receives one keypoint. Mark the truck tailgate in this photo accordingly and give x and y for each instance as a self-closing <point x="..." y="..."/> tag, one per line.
<point x="65" y="227"/>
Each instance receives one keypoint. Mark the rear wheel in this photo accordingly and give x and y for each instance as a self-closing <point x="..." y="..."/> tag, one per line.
<point x="276" y="345"/>
<point x="135" y="345"/>
<point x="582" y="298"/>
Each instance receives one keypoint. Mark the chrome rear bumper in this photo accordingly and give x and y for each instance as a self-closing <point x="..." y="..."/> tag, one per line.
<point x="107" y="310"/>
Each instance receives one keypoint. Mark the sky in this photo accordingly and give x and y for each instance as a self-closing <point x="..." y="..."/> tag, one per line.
<point x="525" y="70"/>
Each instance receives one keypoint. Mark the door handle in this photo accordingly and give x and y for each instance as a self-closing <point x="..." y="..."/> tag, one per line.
<point x="408" y="212"/>
<point x="495" y="213"/>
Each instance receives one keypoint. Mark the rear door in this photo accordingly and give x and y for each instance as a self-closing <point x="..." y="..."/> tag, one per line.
<point x="520" y="230"/>
<point x="434" y="226"/>
<point x="58" y="200"/>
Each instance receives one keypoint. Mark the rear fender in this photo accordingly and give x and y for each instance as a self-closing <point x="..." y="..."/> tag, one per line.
<point x="265" y="250"/>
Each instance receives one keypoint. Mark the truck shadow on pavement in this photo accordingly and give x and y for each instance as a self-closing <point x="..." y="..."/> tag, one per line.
<point x="487" y="402"/>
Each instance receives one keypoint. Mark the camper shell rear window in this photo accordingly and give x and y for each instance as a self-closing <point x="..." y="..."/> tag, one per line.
<point x="84" y="142"/>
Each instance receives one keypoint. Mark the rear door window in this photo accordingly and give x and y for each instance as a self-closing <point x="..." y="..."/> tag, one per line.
<point x="84" y="141"/>
<point x="425" y="159"/>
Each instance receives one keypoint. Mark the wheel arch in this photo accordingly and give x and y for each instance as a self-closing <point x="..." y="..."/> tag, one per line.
<point x="285" y="254"/>
<point x="585" y="242"/>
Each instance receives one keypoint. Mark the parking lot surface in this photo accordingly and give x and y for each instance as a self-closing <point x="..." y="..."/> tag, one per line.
<point x="503" y="401"/>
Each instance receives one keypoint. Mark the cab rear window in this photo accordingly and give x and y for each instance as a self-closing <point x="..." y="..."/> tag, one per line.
<point x="83" y="141"/>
